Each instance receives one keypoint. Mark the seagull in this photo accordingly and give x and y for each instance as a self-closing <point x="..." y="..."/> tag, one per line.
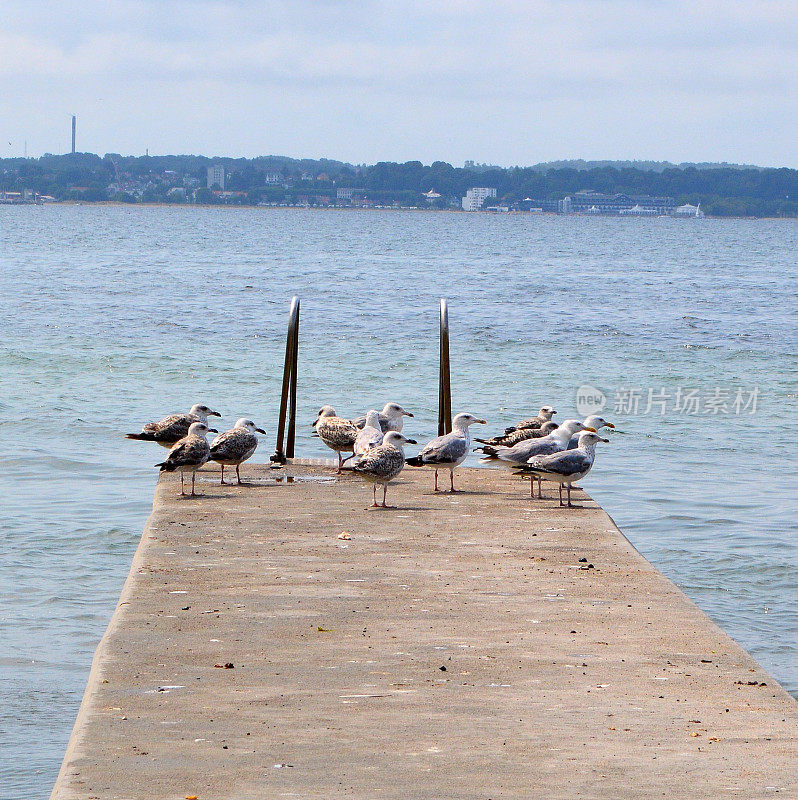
<point x="235" y="446"/>
<point x="383" y="463"/>
<point x="390" y="418"/>
<point x="590" y="422"/>
<point x="566" y="466"/>
<point x="189" y="454"/>
<point x="519" y="454"/>
<point x="509" y="439"/>
<point x="448" y="451"/>
<point x="174" y="427"/>
<point x="337" y="433"/>
<point x="370" y="435"/>
<point x="544" y="415"/>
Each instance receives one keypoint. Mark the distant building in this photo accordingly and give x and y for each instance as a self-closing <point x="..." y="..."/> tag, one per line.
<point x="273" y="177"/>
<point x="216" y="176"/>
<point x="566" y="206"/>
<point x="589" y="202"/>
<point x="344" y="194"/>
<point x="476" y="197"/>
<point x="688" y="210"/>
<point x="431" y="196"/>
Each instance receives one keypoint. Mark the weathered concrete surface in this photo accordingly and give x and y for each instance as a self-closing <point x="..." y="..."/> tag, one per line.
<point x="559" y="681"/>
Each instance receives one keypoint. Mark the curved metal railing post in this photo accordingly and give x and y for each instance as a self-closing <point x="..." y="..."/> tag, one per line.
<point x="288" y="397"/>
<point x="444" y="377"/>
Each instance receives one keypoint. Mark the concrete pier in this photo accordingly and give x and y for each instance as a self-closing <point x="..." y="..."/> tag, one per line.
<point x="278" y="640"/>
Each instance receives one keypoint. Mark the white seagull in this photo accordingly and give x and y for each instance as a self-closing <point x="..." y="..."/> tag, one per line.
<point x="448" y="451"/>
<point x="391" y="418"/>
<point x="567" y="466"/>
<point x="370" y="435"/>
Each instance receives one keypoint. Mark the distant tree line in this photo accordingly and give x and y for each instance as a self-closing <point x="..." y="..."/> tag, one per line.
<point x="722" y="190"/>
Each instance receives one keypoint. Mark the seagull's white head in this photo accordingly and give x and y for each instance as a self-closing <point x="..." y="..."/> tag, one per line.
<point x="588" y="440"/>
<point x="462" y="421"/>
<point x="394" y="411"/>
<point x="203" y="412"/>
<point x="373" y="419"/>
<point x="572" y="426"/>
<point x="249" y="425"/>
<point x="546" y="413"/>
<point x="397" y="440"/>
<point x="199" y="429"/>
<point x="597" y="422"/>
<point x="324" y="411"/>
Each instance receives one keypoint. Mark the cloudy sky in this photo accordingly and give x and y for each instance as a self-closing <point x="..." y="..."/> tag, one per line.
<point x="507" y="82"/>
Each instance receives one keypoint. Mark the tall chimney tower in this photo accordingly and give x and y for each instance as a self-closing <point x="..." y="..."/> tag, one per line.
<point x="74" y="119"/>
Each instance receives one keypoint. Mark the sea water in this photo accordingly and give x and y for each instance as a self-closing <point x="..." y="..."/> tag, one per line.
<point x="684" y="330"/>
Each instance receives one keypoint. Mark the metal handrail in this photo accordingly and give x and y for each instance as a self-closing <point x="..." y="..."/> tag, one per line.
<point x="444" y="376"/>
<point x="288" y="396"/>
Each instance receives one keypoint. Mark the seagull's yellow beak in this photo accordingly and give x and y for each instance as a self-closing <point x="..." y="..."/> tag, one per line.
<point x="609" y="425"/>
<point x="592" y="430"/>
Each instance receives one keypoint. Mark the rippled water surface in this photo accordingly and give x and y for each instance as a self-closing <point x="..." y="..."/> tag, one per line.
<point x="113" y="316"/>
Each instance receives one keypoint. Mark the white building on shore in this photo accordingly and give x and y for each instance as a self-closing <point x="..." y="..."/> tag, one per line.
<point x="476" y="197"/>
<point x="216" y="176"/>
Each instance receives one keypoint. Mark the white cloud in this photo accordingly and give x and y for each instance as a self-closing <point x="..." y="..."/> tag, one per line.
<point x="504" y="81"/>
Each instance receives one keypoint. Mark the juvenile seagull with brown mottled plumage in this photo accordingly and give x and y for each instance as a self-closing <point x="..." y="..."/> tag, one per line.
<point x="234" y="447"/>
<point x="544" y="415"/>
<point x="189" y="454"/>
<point x="383" y="463"/>
<point x="509" y="439"/>
<point x="171" y="429"/>
<point x="337" y="433"/>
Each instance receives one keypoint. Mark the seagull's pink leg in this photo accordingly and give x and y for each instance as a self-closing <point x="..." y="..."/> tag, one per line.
<point x="182" y="489"/>
<point x="222" y="480"/>
<point x="238" y="474"/>
<point x="451" y="479"/>
<point x="436" y="481"/>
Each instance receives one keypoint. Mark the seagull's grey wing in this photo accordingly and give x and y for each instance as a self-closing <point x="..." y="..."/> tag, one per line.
<point x="573" y="443"/>
<point x="384" y="462"/>
<point x="368" y="438"/>
<point x="525" y="424"/>
<point x="359" y="422"/>
<point x="233" y="445"/>
<point x="523" y="451"/>
<point x="170" y="428"/>
<point x="445" y="449"/>
<point x="565" y="463"/>
<point x="188" y="452"/>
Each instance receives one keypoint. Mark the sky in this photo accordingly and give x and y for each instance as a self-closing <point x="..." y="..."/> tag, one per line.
<point x="504" y="82"/>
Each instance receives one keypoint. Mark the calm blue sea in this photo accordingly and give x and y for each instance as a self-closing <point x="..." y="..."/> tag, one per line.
<point x="113" y="316"/>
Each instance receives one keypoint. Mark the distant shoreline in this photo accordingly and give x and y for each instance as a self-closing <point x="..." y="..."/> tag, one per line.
<point x="236" y="207"/>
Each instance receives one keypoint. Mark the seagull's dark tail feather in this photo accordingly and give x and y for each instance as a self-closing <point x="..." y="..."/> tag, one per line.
<point x="488" y="450"/>
<point x="511" y="429"/>
<point x="166" y="466"/>
<point x="415" y="461"/>
<point x="142" y="437"/>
